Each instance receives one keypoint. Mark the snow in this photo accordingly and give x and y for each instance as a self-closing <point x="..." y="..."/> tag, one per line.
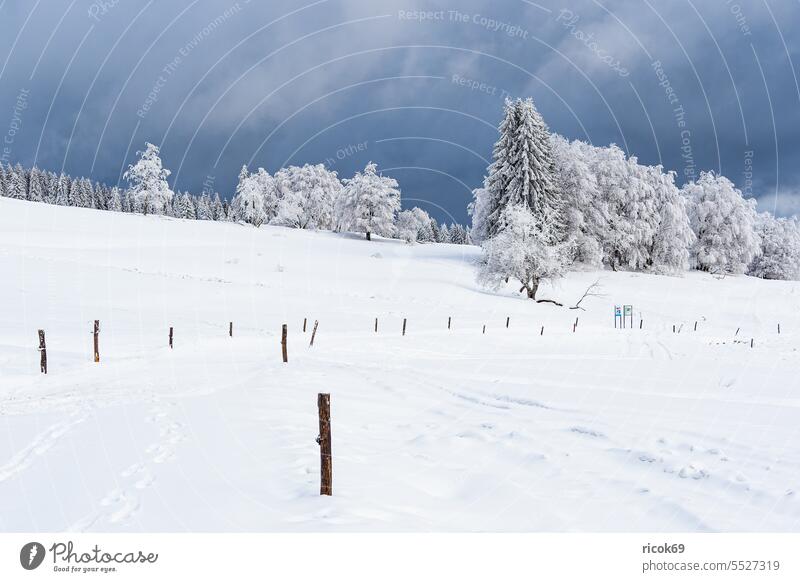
<point x="596" y="430"/>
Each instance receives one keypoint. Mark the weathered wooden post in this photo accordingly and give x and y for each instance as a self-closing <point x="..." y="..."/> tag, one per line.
<point x="737" y="331"/>
<point x="404" y="326"/>
<point x="542" y="332"/>
<point x="313" y="333"/>
<point x="284" y="349"/>
<point x="673" y="328"/>
<point x="695" y="326"/>
<point x="484" y="329"/>
<point x="641" y="321"/>
<point x="751" y="342"/>
<point x="508" y="320"/>
<point x="43" y="352"/>
<point x="449" y="318"/>
<point x="779" y="329"/>
<point x="170" y="337"/>
<point x="324" y="441"/>
<point x="230" y="329"/>
<point x="376" y="325"/>
<point x="305" y="321"/>
<point x="96" y="340"/>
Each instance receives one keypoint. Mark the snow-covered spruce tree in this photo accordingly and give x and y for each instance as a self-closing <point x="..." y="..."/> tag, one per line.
<point x="307" y="195"/>
<point x="3" y="180"/>
<point x="35" y="185"/>
<point x="17" y="185"/>
<point x="724" y="223"/>
<point x="62" y="190"/>
<point x="204" y="211"/>
<point x="779" y="257"/>
<point x="368" y="203"/>
<point x="522" y="173"/>
<point x="436" y="235"/>
<point x="444" y="234"/>
<point x="248" y="203"/>
<point x="486" y="206"/>
<point x="218" y="209"/>
<point x="148" y="182"/>
<point x="522" y="250"/>
<point x="458" y="235"/>
<point x="184" y="207"/>
<point x="115" y="200"/>
<point x="410" y="223"/>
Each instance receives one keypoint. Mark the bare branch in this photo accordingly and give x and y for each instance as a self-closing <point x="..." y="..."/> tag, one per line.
<point x="592" y="290"/>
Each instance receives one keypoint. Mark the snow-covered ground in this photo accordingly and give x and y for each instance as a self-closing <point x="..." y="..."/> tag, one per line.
<point x="596" y="430"/>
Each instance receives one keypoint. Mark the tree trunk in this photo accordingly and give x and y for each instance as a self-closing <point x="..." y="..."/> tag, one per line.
<point x="531" y="288"/>
<point x="369" y="237"/>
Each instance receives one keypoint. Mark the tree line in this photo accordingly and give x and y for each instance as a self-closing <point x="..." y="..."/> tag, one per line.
<point x="307" y="197"/>
<point x="548" y="204"/>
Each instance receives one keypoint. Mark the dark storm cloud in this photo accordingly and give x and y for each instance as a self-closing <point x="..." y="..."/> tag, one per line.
<point x="416" y="86"/>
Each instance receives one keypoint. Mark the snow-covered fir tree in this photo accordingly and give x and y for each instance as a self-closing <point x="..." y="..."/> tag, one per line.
<point x="204" y="210"/>
<point x="17" y="185"/>
<point x="115" y="200"/>
<point x="723" y="222"/>
<point x="218" y="209"/>
<point x="458" y="235"/>
<point x="522" y="173"/>
<point x="368" y="203"/>
<point x="149" y="189"/>
<point x="522" y="250"/>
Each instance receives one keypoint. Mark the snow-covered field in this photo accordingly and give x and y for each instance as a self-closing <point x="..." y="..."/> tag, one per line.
<point x="446" y="430"/>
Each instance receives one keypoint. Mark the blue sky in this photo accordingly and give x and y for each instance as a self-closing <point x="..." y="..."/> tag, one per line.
<point x="417" y="87"/>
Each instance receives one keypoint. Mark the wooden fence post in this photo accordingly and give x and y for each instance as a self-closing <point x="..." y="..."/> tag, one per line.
<point x="484" y="329"/>
<point x="96" y="340"/>
<point x="508" y="320"/>
<point x="542" y="332"/>
<point x="448" y="321"/>
<point x="641" y="321"/>
<point x="283" y="344"/>
<point x="313" y="333"/>
<point x="43" y="352"/>
<point x="170" y="337"/>
<point x="376" y="325"/>
<point x="324" y="441"/>
<point x="404" y="326"/>
<point x="779" y="329"/>
<point x="230" y="329"/>
<point x="751" y="342"/>
<point x="305" y="321"/>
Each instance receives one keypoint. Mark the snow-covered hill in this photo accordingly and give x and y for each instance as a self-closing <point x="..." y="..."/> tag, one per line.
<point x="597" y="429"/>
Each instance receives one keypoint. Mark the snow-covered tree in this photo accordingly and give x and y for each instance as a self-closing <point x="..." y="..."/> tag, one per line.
<point x="307" y="195"/>
<point x="148" y="182"/>
<point x="17" y="184"/>
<point x="779" y="257"/>
<point x="458" y="235"/>
<point x="723" y="222"/>
<point x="444" y="234"/>
<point x="184" y="207"/>
<point x="218" y="209"/>
<point x="204" y="210"/>
<point x="248" y="204"/>
<point x="522" y="173"/>
<point x="410" y="223"/>
<point x="115" y="200"/>
<point x="36" y="191"/>
<point x="368" y="203"/>
<point x="522" y="250"/>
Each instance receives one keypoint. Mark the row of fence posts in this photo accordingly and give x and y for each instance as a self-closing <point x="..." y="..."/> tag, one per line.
<point x="323" y="399"/>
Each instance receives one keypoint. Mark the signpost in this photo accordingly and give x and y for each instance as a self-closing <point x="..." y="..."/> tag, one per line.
<point x="623" y="313"/>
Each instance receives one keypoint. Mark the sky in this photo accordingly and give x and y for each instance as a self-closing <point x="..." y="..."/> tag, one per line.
<point x="416" y="86"/>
